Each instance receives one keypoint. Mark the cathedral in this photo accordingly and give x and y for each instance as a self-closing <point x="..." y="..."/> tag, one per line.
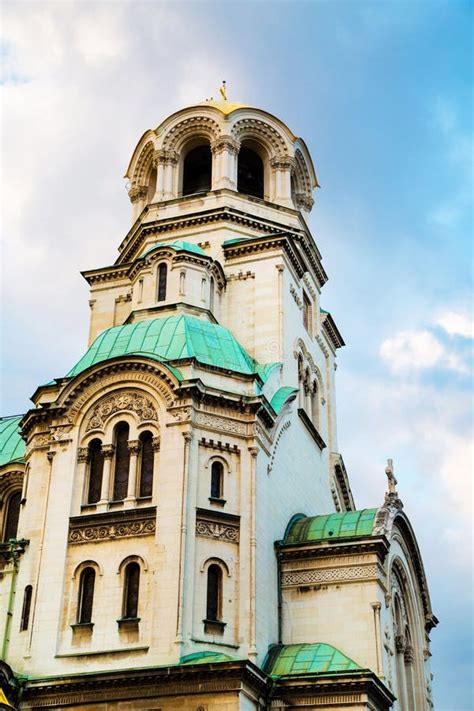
<point x="178" y="526"/>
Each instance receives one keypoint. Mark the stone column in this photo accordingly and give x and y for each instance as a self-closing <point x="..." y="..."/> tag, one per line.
<point x="281" y="168"/>
<point x="82" y="461"/>
<point x="253" y="451"/>
<point x="224" y="165"/>
<point x="165" y="162"/>
<point x="108" y="453"/>
<point x="134" y="446"/>
<point x="376" y="607"/>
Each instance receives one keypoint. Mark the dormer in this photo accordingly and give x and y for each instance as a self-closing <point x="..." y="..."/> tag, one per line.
<point x="217" y="146"/>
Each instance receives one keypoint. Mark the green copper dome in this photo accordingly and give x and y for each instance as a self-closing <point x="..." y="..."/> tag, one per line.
<point x="350" y="524"/>
<point x="12" y="445"/>
<point x="205" y="658"/>
<point x="172" y="339"/>
<point x="178" y="245"/>
<point x="317" y="658"/>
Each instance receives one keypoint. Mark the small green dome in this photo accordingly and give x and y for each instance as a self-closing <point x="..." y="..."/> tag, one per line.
<point x="350" y="524"/>
<point x="178" y="245"/>
<point x="317" y="658"/>
<point x="173" y="339"/>
<point x="205" y="658"/>
<point x="12" y="445"/>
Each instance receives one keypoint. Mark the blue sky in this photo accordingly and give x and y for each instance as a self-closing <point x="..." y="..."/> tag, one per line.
<point x="381" y="93"/>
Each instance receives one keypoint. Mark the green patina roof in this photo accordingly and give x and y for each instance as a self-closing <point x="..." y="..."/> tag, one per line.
<point x="281" y="396"/>
<point x="178" y="245"/>
<point x="349" y="524"/>
<point x="173" y="338"/>
<point x="12" y="445"/>
<point x="235" y="240"/>
<point x="315" y="658"/>
<point x="205" y="658"/>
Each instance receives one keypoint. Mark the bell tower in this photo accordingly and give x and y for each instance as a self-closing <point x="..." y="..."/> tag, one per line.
<point x="187" y="526"/>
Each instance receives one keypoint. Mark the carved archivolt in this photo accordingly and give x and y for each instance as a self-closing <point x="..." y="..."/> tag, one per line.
<point x="9" y="481"/>
<point x="192" y="126"/>
<point x="125" y="400"/>
<point x="262" y="132"/>
<point x="142" y="168"/>
<point x="303" y="185"/>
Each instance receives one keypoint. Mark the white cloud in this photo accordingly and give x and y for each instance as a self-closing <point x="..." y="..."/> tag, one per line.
<point x="457" y="324"/>
<point x="412" y="350"/>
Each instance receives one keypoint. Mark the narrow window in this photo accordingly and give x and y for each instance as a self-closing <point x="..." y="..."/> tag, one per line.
<point x="217" y="476"/>
<point x="250" y="173"/>
<point x="122" y="461"/>
<point x="162" y="279"/>
<point x="13" y="514"/>
<point x="96" y="467"/>
<point x="306" y="313"/>
<point x="197" y="170"/>
<point x="211" y="297"/>
<point x="314" y="404"/>
<point x="86" y="596"/>
<point x="146" y="464"/>
<point x="25" y="610"/>
<point x="140" y="291"/>
<point x="130" y="591"/>
<point x="214" y="593"/>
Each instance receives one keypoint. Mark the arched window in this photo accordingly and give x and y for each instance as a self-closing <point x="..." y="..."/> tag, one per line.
<point x="25" y="610"/>
<point x="314" y="404"/>
<point x="250" y="173"/>
<point x="197" y="170"/>
<point x="122" y="461"/>
<point x="217" y="480"/>
<point x="214" y="593"/>
<point x="130" y="591"/>
<point x="162" y="279"/>
<point x="146" y="464"/>
<point x="86" y="596"/>
<point x="96" y="467"/>
<point x="13" y="514"/>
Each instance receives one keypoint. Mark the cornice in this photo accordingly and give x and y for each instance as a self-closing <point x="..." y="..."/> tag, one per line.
<point x="267" y="243"/>
<point x="332" y="548"/>
<point x="331" y="330"/>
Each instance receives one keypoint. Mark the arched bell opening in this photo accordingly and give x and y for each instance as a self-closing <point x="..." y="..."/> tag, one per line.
<point x="250" y="171"/>
<point x="197" y="169"/>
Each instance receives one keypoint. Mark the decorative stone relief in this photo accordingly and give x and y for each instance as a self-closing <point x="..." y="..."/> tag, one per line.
<point x="220" y="531"/>
<point x="130" y="401"/>
<point x="328" y="575"/>
<point x="219" y="423"/>
<point x="295" y="296"/>
<point x="283" y="429"/>
<point x="104" y="531"/>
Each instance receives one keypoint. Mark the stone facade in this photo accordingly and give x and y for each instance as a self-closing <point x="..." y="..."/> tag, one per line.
<point x="237" y="446"/>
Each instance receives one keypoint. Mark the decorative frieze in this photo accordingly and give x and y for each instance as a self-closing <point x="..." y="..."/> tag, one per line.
<point x="220" y="423"/>
<point x="328" y="575"/>
<point x="220" y="526"/>
<point x="108" y="526"/>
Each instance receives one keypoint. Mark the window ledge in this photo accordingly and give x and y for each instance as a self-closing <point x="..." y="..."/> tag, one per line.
<point x="83" y="626"/>
<point x="311" y="429"/>
<point x="218" y="501"/>
<point x="214" y="626"/>
<point x="128" y="623"/>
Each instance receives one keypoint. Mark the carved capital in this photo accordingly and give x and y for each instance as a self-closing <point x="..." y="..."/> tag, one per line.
<point x="138" y="192"/>
<point x="409" y="654"/>
<point x="400" y="643"/>
<point x="304" y="202"/>
<point x="108" y="451"/>
<point x="165" y="157"/>
<point x="225" y="143"/>
<point x="155" y="443"/>
<point x="82" y="455"/>
<point x="134" y="446"/>
<point x="282" y="163"/>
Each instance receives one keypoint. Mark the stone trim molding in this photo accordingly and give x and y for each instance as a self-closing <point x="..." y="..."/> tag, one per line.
<point x="327" y="576"/>
<point x="110" y="525"/>
<point x="218" y="525"/>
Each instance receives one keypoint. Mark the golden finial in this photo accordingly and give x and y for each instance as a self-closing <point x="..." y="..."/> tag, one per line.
<point x="223" y="90"/>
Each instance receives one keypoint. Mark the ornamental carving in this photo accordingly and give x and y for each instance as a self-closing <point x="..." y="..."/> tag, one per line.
<point x="219" y="423"/>
<point x="328" y="575"/>
<point x="220" y="531"/>
<point x="107" y="531"/>
<point x="130" y="401"/>
<point x="225" y="143"/>
<point x="142" y="168"/>
<point x="283" y="429"/>
<point x="189" y="126"/>
<point x="260" y="130"/>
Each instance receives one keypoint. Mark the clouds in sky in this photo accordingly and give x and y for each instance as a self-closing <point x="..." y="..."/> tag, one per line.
<point x="379" y="91"/>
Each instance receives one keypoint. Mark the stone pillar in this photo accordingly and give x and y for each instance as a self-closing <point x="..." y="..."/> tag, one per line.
<point x="253" y="451"/>
<point x="134" y="446"/>
<point x="82" y="461"/>
<point x="165" y="162"/>
<point x="281" y="169"/>
<point x="224" y="164"/>
<point x="376" y="607"/>
<point x="108" y="453"/>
